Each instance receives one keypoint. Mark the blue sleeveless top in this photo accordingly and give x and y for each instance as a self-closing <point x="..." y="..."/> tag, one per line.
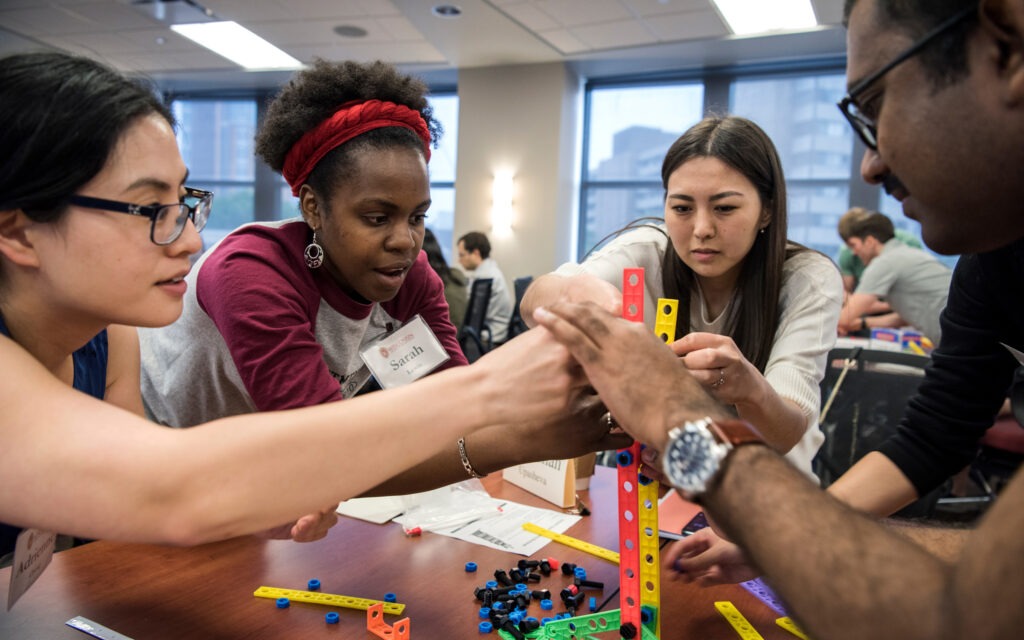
<point x="90" y="377"/>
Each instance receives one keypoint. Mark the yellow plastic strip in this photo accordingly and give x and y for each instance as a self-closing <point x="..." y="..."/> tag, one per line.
<point x="665" y="319"/>
<point x="327" y="599"/>
<point x="790" y="626"/>
<point x="592" y="549"/>
<point x="738" y="622"/>
<point x="650" y="575"/>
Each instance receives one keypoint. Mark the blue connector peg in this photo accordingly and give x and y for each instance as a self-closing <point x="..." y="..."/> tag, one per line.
<point x="313" y="585"/>
<point x="470" y="567"/>
<point x="283" y="603"/>
<point x="390" y="597"/>
<point x="332" y="617"/>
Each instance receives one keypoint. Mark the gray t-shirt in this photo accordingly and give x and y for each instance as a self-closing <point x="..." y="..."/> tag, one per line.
<point x="913" y="282"/>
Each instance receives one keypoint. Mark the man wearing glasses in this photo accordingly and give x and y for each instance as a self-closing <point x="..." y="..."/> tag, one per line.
<point x="936" y="91"/>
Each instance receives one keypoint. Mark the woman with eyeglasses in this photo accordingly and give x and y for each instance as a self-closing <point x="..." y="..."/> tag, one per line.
<point x="96" y="229"/>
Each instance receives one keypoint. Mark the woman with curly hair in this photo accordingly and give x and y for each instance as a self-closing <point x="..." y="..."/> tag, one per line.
<point x="280" y="314"/>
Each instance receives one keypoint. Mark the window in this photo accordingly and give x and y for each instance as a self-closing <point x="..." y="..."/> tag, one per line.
<point x="628" y="131"/>
<point x="814" y="142"/>
<point x="441" y="217"/>
<point x="216" y="138"/>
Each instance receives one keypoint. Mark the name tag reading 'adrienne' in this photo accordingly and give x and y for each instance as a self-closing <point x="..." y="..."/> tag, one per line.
<point x="404" y="355"/>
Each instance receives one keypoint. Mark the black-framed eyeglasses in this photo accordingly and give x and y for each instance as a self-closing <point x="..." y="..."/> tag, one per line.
<point x="865" y="125"/>
<point x="167" y="221"/>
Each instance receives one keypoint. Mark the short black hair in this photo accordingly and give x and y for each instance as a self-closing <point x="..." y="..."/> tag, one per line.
<point x="62" y="117"/>
<point x="314" y="94"/>
<point x="945" y="59"/>
<point x="476" y="241"/>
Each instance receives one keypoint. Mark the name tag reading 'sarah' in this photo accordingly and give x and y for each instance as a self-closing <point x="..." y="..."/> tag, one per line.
<point x="405" y="355"/>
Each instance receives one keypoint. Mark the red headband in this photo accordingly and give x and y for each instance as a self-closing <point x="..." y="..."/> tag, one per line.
<point x="349" y="121"/>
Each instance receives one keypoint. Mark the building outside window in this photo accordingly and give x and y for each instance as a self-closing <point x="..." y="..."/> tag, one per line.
<point x="814" y="142"/>
<point x="628" y="131"/>
<point x="216" y="138"/>
<point x="441" y="216"/>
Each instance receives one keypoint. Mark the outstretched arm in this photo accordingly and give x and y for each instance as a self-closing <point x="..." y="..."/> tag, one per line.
<point x="87" y="468"/>
<point x="577" y="431"/>
<point x="845" y="575"/>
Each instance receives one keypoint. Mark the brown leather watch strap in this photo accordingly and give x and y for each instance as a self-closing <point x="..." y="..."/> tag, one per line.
<point x="735" y="432"/>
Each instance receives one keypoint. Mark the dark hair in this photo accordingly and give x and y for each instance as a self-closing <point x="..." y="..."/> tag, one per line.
<point x="435" y="257"/>
<point x="847" y="220"/>
<point x="945" y="59"/>
<point x="314" y="94"/>
<point x="874" y="225"/>
<point x="476" y="241"/>
<point x="62" y="117"/>
<point x="745" y="147"/>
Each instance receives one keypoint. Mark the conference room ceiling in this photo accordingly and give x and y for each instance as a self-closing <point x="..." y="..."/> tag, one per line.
<point x="594" y="37"/>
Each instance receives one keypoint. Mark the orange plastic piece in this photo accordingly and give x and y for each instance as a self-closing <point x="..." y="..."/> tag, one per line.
<point x="375" y="624"/>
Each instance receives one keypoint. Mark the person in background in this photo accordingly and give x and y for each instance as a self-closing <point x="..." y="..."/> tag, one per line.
<point x="910" y="280"/>
<point x="914" y="68"/>
<point x="96" y="231"/>
<point x="757" y="313"/>
<point x="475" y="258"/>
<point x="850" y="266"/>
<point x="455" y="291"/>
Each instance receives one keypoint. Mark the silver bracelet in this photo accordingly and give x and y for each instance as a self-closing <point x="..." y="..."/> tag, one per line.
<point x="466" y="464"/>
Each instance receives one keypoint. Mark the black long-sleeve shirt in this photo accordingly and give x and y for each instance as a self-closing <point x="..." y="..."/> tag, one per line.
<point x="970" y="372"/>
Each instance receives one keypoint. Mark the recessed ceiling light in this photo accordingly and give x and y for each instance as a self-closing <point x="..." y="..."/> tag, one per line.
<point x="446" y="11"/>
<point x="746" y="17"/>
<point x="350" y="31"/>
<point x="238" y="44"/>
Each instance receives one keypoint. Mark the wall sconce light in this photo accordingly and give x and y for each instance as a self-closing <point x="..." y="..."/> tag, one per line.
<point x="501" y="203"/>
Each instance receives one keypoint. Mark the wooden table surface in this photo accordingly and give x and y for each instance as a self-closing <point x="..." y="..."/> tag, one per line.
<point x="152" y="592"/>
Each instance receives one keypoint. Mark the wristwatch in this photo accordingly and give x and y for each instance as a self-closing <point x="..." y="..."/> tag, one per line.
<point x="696" y="450"/>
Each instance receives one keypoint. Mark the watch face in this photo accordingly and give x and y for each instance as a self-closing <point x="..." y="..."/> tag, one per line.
<point x="692" y="457"/>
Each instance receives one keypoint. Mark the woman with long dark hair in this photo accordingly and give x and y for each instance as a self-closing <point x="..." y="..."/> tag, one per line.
<point x="757" y="313"/>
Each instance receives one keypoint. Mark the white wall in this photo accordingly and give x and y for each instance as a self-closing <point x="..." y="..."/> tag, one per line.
<point x="523" y="118"/>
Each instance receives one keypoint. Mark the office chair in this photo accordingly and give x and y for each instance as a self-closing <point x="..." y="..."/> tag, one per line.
<point x="865" y="393"/>
<point x="475" y="335"/>
<point x="516" y="325"/>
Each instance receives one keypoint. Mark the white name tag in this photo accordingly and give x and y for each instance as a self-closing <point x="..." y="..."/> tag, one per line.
<point x="405" y="355"/>
<point x="32" y="553"/>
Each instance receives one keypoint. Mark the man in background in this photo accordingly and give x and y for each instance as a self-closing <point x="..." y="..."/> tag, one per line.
<point x="850" y="266"/>
<point x="910" y="280"/>
<point x="475" y="258"/>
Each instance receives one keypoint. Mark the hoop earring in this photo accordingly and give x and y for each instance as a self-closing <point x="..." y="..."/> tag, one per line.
<point x="314" y="253"/>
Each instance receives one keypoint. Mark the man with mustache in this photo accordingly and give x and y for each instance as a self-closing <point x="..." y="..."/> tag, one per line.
<point x="936" y="91"/>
